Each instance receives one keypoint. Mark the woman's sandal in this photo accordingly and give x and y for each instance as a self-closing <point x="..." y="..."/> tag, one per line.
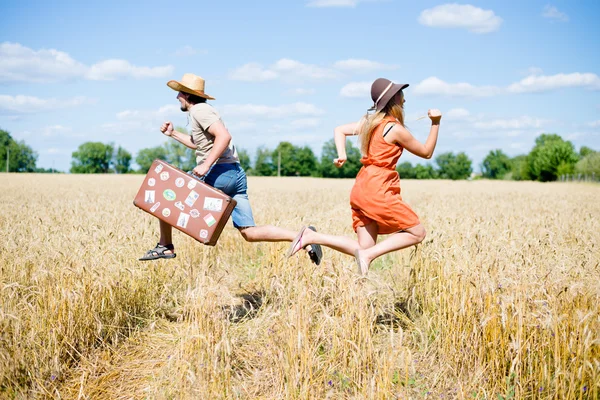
<point x="315" y="253"/>
<point x="159" y="252"/>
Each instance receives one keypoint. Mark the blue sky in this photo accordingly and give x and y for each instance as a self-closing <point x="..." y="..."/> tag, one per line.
<point x="502" y="72"/>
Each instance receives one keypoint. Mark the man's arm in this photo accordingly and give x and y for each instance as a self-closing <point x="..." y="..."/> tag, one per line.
<point x="222" y="140"/>
<point x="183" y="138"/>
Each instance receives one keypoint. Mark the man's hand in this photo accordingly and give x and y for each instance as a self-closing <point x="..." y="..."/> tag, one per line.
<point x="338" y="162"/>
<point x="201" y="169"/>
<point x="167" y="128"/>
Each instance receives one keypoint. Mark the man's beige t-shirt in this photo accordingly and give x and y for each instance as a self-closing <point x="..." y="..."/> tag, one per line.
<point x="203" y="115"/>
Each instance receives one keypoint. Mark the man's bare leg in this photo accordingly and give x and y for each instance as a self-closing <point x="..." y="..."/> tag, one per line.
<point x="267" y="233"/>
<point x="166" y="235"/>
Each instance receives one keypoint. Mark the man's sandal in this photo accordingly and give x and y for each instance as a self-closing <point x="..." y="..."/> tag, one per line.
<point x="159" y="252"/>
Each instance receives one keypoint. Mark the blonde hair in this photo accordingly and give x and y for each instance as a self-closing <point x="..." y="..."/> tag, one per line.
<point x="372" y="121"/>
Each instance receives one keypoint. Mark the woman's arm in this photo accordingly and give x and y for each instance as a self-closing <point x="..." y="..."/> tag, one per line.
<point x="339" y="136"/>
<point x="401" y="136"/>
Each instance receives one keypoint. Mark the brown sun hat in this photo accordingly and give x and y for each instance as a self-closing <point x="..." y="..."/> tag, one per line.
<point x="190" y="83"/>
<point x="382" y="91"/>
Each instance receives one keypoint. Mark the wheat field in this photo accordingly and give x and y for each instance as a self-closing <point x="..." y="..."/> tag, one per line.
<point x="501" y="300"/>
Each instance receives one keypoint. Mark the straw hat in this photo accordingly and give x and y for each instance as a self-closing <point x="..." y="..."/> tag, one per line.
<point x="190" y="83"/>
<point x="382" y="91"/>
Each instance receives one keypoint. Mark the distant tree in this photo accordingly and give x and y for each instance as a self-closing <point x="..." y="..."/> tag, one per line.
<point x="21" y="158"/>
<point x="122" y="161"/>
<point x="584" y="151"/>
<point x="180" y="155"/>
<point x="590" y="164"/>
<point x="348" y="170"/>
<point x="145" y="157"/>
<point x="495" y="165"/>
<point x="519" y="169"/>
<point x="425" y="172"/>
<point x="551" y="157"/>
<point x="295" y="161"/>
<point x="453" y="167"/>
<point x="245" y="160"/>
<point x="406" y="170"/>
<point x="92" y="158"/>
<point x="46" y="171"/>
<point x="307" y="162"/>
<point x="264" y="164"/>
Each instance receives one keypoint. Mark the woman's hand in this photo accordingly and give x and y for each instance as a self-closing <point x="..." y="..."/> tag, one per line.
<point x="167" y="128"/>
<point x="435" y="115"/>
<point x="338" y="162"/>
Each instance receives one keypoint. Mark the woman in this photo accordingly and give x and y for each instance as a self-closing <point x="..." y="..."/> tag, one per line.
<point x="377" y="206"/>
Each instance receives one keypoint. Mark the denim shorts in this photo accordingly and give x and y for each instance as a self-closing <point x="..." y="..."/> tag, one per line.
<point x="231" y="179"/>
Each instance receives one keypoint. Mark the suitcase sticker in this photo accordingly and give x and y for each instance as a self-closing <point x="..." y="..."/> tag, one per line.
<point x="185" y="202"/>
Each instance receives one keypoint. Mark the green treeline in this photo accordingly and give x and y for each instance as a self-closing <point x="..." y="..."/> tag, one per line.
<point x="550" y="158"/>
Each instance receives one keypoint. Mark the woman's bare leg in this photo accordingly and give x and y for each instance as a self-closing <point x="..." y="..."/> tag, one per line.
<point x="396" y="241"/>
<point x="342" y="244"/>
<point x="367" y="235"/>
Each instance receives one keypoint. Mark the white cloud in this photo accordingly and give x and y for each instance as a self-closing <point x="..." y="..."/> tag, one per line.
<point x="334" y="3"/>
<point x="135" y="121"/>
<point x="435" y="86"/>
<point x="253" y="72"/>
<point x="187" y="51"/>
<point x="55" y="130"/>
<point x="534" y="71"/>
<point x="551" y="12"/>
<point x="22" y="64"/>
<point x="457" y="114"/>
<point x="594" y="124"/>
<point x="55" y="150"/>
<point x="285" y="65"/>
<point x="292" y="70"/>
<point x="304" y="123"/>
<point x="110" y="70"/>
<point x="271" y="112"/>
<point x="540" y="83"/>
<point x="161" y="113"/>
<point x="518" y="145"/>
<point x="284" y="68"/>
<point x="524" y="122"/>
<point x="358" y="65"/>
<point x="28" y="104"/>
<point x="356" y="89"/>
<point x="466" y="16"/>
<point x="302" y="91"/>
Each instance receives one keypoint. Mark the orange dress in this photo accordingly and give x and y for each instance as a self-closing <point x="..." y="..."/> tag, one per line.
<point x="375" y="196"/>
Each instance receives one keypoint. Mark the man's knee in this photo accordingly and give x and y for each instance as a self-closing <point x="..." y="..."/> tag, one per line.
<point x="247" y="234"/>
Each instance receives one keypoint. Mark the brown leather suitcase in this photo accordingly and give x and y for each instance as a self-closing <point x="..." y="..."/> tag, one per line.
<point x="185" y="202"/>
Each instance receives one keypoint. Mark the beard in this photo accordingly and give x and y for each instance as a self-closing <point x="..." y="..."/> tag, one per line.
<point x="183" y="108"/>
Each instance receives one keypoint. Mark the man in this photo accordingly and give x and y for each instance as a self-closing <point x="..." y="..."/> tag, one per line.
<point x="219" y="166"/>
